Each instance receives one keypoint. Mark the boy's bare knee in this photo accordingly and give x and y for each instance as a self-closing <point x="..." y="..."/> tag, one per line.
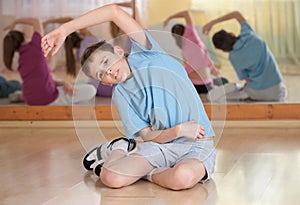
<point x="184" y="178"/>
<point x="111" y="179"/>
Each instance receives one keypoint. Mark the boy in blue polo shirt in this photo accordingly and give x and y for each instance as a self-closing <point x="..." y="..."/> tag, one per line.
<point x="156" y="101"/>
<point x="252" y="60"/>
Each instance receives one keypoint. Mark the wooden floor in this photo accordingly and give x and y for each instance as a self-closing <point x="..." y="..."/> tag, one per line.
<point x="257" y="164"/>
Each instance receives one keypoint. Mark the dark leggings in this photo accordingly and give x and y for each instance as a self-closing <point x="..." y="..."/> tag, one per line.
<point x="8" y="86"/>
<point x="207" y="87"/>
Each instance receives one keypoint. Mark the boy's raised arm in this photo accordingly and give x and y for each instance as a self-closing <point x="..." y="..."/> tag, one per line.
<point x="54" y="40"/>
<point x="232" y="15"/>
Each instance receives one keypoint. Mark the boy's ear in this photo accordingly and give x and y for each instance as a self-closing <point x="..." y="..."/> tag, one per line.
<point x="118" y="50"/>
<point x="108" y="84"/>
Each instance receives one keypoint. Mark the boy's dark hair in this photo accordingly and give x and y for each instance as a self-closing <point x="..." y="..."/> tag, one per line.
<point x="86" y="56"/>
<point x="178" y="31"/>
<point x="72" y="41"/>
<point x="224" y="40"/>
<point x="11" y="43"/>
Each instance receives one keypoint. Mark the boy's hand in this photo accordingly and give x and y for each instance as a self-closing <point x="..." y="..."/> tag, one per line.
<point x="191" y="130"/>
<point x="52" y="42"/>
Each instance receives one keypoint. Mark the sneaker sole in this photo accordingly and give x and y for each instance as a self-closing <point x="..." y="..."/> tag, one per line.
<point x="86" y="163"/>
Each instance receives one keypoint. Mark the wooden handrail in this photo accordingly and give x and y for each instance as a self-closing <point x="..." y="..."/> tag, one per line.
<point x="107" y="112"/>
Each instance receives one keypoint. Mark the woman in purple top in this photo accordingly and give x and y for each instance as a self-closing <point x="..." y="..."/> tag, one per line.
<point x="39" y="88"/>
<point x="198" y="64"/>
<point x="80" y="41"/>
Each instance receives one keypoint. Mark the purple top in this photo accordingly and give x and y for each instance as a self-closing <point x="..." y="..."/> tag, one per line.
<point x="38" y="85"/>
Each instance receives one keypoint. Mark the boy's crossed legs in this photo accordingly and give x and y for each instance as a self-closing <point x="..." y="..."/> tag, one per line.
<point x="129" y="169"/>
<point x="168" y="168"/>
<point x="121" y="169"/>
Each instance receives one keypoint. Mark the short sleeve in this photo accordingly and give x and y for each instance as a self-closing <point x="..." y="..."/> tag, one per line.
<point x="136" y="47"/>
<point x="246" y="28"/>
<point x="131" y="119"/>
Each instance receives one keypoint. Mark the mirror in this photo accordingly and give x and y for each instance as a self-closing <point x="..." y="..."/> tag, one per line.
<point x="290" y="71"/>
<point x="287" y="56"/>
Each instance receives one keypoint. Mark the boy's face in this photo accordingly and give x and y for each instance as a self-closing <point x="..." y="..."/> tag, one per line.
<point x="110" y="68"/>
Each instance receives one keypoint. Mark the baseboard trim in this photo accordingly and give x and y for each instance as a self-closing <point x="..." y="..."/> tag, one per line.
<point x="114" y="124"/>
<point x="214" y="112"/>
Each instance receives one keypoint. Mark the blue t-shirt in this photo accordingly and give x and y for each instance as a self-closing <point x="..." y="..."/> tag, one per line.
<point x="159" y="94"/>
<point x="251" y="58"/>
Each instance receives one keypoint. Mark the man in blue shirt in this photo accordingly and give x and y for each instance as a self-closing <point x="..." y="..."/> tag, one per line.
<point x="252" y="60"/>
<point x="156" y="101"/>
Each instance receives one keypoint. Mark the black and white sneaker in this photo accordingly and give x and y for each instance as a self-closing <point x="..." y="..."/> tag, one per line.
<point x="97" y="156"/>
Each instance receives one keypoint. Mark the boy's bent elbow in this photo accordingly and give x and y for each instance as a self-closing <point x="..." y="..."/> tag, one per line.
<point x="236" y="12"/>
<point x="240" y="18"/>
<point x="115" y="10"/>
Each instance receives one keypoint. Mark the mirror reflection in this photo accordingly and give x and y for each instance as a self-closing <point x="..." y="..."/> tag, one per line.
<point x="279" y="31"/>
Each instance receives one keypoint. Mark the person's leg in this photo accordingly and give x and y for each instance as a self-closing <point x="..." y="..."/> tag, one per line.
<point x="180" y="164"/>
<point x="220" y="81"/>
<point x="114" y="164"/>
<point x="203" y="88"/>
<point x="62" y="98"/>
<point x="230" y="91"/>
<point x="122" y="170"/>
<point x="237" y="95"/>
<point x="8" y="87"/>
<point x="83" y="93"/>
<point x="95" y="158"/>
<point x="275" y="93"/>
<point x="16" y="96"/>
<point x="184" y="175"/>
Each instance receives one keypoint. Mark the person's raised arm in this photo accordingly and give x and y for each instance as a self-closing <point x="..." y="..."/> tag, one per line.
<point x="56" y="20"/>
<point x="82" y="32"/>
<point x="34" y="22"/>
<point x="115" y="30"/>
<point x="131" y="5"/>
<point x="189" y="129"/>
<point x="232" y="15"/>
<point x="182" y="14"/>
<point x="54" y="40"/>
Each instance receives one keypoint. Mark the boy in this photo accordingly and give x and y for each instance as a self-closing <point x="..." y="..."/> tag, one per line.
<point x="252" y="60"/>
<point x="156" y="101"/>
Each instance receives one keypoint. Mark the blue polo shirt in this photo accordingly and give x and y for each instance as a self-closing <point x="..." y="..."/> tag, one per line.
<point x="252" y="58"/>
<point x="159" y="94"/>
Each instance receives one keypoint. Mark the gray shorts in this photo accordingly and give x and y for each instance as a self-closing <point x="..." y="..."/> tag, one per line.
<point x="275" y="93"/>
<point x="169" y="154"/>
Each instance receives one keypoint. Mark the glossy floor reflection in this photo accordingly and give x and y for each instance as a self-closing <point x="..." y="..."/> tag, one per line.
<point x="255" y="165"/>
